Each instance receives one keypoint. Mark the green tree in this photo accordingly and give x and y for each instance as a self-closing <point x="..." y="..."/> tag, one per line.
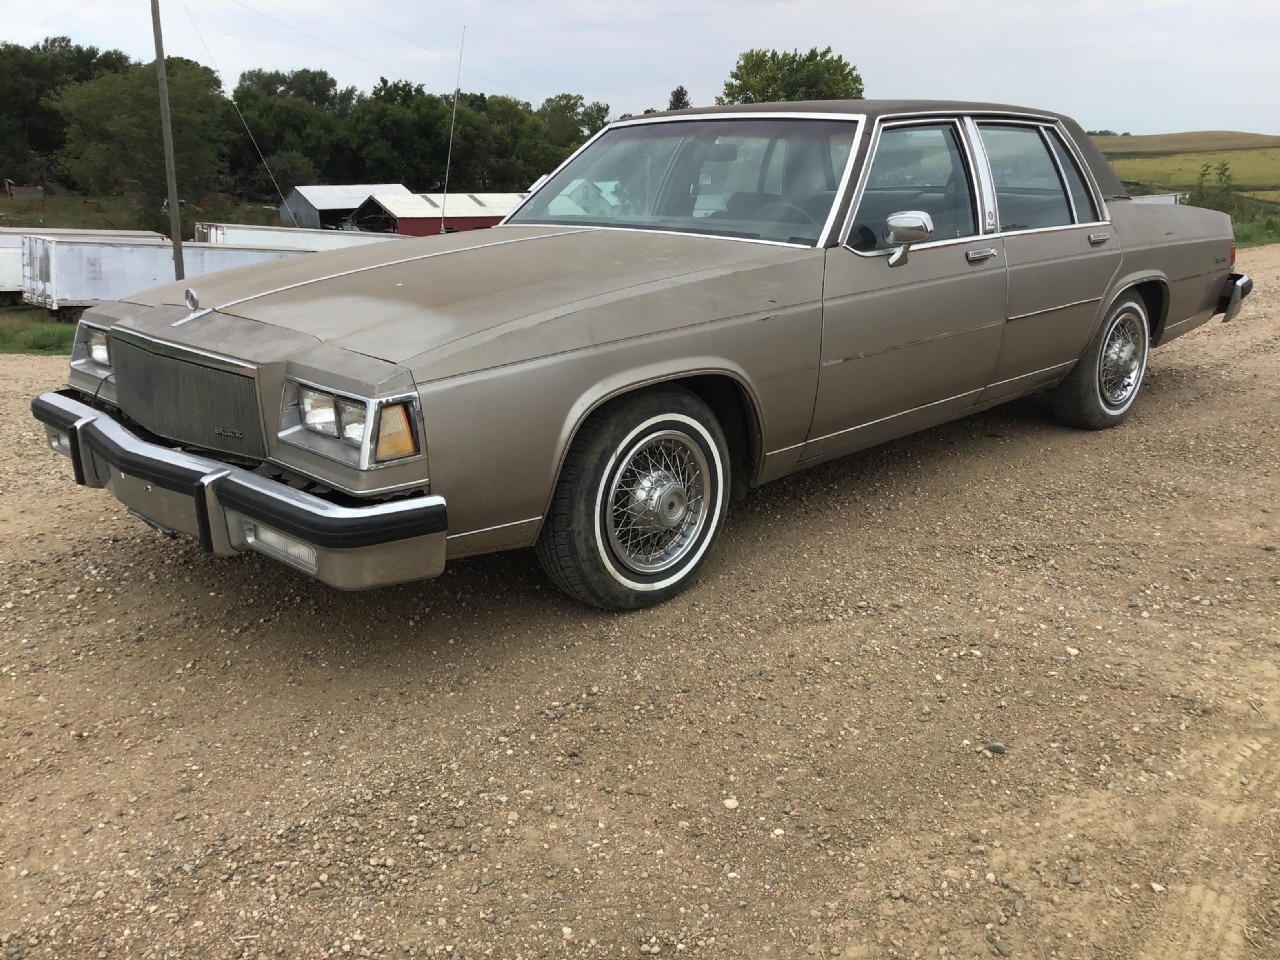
<point x="768" y="76"/>
<point x="679" y="99"/>
<point x="31" y="129"/>
<point x="113" y="140"/>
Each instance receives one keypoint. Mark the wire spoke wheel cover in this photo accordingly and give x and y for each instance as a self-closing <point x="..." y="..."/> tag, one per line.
<point x="640" y="500"/>
<point x="655" y="505"/>
<point x="1123" y="360"/>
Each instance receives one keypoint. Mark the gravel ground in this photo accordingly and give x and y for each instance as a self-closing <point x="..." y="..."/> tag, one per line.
<point x="999" y="689"/>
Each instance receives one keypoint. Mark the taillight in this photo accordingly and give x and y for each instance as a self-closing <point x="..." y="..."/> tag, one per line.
<point x="1233" y="256"/>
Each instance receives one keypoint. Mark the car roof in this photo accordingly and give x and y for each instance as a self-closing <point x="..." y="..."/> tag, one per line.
<point x="873" y="110"/>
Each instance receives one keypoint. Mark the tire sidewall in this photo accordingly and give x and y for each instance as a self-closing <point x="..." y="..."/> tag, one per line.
<point x="619" y="586"/>
<point x="1105" y="410"/>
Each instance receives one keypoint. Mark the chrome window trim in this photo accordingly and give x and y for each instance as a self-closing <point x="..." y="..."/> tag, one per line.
<point x="824" y="235"/>
<point x="1062" y="174"/>
<point x="1081" y="167"/>
<point x="913" y="120"/>
<point x="990" y="215"/>
<point x="1099" y="201"/>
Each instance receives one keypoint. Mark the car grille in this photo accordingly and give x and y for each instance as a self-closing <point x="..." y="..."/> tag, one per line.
<point x="187" y="402"/>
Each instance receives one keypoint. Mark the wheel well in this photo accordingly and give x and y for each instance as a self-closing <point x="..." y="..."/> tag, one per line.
<point x="734" y="410"/>
<point x="1156" y="298"/>
<point x="729" y="401"/>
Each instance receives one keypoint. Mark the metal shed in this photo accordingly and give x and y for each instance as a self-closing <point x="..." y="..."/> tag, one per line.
<point x="328" y="205"/>
<point x="421" y="214"/>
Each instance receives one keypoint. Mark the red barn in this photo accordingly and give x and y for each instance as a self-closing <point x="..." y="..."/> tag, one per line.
<point x="421" y="214"/>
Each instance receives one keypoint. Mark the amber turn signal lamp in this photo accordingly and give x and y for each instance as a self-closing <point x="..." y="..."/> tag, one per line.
<point x="395" y="434"/>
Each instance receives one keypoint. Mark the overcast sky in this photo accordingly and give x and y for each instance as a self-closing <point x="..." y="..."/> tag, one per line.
<point x="1146" y="66"/>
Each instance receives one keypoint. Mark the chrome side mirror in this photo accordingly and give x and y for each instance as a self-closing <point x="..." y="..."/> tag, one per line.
<point x="904" y="228"/>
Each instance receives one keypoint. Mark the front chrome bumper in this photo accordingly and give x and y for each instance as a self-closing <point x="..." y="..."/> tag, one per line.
<point x="1238" y="287"/>
<point x="231" y="510"/>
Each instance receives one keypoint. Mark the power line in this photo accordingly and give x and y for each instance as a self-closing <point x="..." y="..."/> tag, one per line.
<point x="333" y="46"/>
<point x="410" y="40"/>
<point x="14" y="36"/>
<point x="252" y="139"/>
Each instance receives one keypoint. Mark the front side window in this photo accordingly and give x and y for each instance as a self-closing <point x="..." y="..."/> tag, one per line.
<point x="1029" y="192"/>
<point x="759" y="179"/>
<point x="918" y="167"/>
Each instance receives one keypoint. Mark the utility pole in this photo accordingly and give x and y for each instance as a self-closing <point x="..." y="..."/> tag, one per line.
<point x="170" y="171"/>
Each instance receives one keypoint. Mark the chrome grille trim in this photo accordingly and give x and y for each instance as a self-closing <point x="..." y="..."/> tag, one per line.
<point x="188" y="402"/>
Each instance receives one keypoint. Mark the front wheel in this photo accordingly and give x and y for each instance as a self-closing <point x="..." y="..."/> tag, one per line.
<point x="1100" y="390"/>
<point x="639" y="503"/>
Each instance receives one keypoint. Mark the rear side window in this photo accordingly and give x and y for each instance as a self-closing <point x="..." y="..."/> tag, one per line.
<point x="1080" y="197"/>
<point x="917" y="167"/>
<point x="1029" y="192"/>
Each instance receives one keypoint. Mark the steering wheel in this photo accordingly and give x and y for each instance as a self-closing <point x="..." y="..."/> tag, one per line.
<point x="763" y="213"/>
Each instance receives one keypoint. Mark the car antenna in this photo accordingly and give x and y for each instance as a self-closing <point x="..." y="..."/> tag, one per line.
<point x="457" y="89"/>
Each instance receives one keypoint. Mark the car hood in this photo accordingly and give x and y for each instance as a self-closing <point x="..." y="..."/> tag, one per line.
<point x="447" y="295"/>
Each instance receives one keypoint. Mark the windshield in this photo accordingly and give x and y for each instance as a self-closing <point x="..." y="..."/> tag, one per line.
<point x="760" y="179"/>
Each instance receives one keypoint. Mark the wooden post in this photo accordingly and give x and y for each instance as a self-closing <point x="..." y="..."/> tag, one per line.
<point x="170" y="171"/>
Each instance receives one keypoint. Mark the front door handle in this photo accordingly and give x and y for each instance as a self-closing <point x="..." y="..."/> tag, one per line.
<point x="1097" y="238"/>
<point x="977" y="256"/>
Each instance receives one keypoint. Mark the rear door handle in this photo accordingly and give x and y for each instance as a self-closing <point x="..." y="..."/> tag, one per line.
<point x="977" y="256"/>
<point x="1097" y="238"/>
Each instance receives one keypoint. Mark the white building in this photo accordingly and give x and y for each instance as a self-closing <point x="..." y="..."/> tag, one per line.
<point x="327" y="206"/>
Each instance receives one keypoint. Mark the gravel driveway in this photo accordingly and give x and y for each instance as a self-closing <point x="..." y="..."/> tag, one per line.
<point x="999" y="689"/>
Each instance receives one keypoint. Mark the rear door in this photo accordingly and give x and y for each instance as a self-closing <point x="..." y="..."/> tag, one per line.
<point x="1061" y="250"/>
<point x="908" y="345"/>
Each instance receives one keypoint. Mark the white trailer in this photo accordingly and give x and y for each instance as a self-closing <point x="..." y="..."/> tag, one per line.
<point x="11" y="252"/>
<point x="293" y="237"/>
<point x="69" y="274"/>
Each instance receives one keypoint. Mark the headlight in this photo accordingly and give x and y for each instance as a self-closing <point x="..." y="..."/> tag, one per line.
<point x="364" y="433"/>
<point x="353" y="418"/>
<point x="319" y="411"/>
<point x="98" y="348"/>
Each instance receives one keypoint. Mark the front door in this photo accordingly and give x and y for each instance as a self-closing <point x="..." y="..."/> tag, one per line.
<point x="912" y="344"/>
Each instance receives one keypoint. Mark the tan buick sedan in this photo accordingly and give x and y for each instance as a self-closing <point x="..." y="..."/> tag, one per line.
<point x="694" y="304"/>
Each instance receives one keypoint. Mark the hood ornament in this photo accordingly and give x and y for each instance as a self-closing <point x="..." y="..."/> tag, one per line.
<point x="193" y="308"/>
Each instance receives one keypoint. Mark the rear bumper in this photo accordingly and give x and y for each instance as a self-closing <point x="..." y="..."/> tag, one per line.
<point x="231" y="510"/>
<point x="1238" y="287"/>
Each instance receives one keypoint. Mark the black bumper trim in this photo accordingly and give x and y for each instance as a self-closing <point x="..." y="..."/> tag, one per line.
<point x="329" y="531"/>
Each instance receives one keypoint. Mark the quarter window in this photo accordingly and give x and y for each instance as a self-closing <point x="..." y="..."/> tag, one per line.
<point x="918" y="167"/>
<point x="1085" y="211"/>
<point x="1029" y="192"/>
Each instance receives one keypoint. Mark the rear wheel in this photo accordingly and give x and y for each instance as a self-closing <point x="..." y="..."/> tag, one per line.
<point x="639" y="502"/>
<point x="1101" y="389"/>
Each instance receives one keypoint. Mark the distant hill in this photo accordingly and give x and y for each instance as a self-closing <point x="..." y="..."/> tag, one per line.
<point x="1197" y="141"/>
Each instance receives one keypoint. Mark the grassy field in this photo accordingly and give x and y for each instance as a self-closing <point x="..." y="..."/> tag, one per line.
<point x="119" y="213"/>
<point x="29" y="330"/>
<point x="1257" y="169"/>
<point x="1174" y="162"/>
<point x="1200" y="141"/>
